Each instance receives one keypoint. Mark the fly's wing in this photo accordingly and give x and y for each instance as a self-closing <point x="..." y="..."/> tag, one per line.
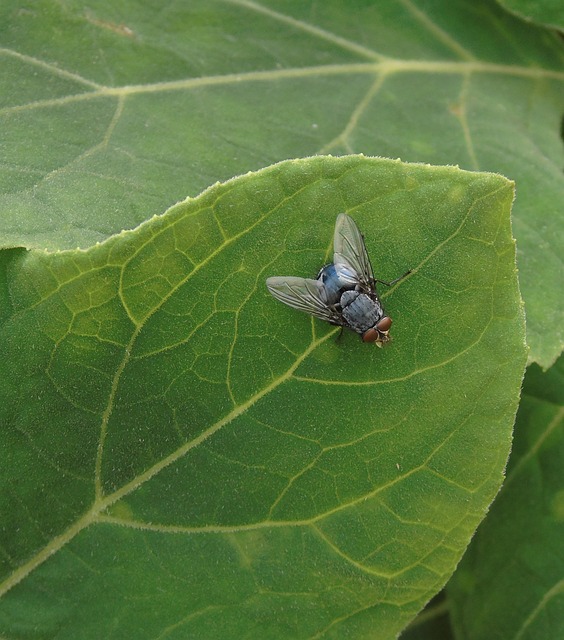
<point x="350" y="250"/>
<point x="303" y="294"/>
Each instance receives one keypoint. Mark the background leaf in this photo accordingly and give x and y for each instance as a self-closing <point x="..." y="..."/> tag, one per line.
<point x="511" y="582"/>
<point x="117" y="110"/>
<point x="433" y="623"/>
<point x="186" y="457"/>
<point x="547" y="12"/>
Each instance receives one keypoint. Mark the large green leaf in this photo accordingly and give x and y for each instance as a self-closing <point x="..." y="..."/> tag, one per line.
<point x="183" y="456"/>
<point x="116" y="110"/>
<point x="511" y="582"/>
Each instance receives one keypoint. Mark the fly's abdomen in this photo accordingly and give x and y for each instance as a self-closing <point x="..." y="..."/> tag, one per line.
<point x="360" y="311"/>
<point x="336" y="279"/>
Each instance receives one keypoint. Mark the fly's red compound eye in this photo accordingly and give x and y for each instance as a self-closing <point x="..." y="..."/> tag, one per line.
<point x="384" y="324"/>
<point x="371" y="335"/>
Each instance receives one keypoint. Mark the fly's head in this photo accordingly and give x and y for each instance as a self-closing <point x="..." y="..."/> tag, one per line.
<point x="379" y="334"/>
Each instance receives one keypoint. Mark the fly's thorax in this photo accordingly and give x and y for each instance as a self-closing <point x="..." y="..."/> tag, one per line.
<point x="361" y="311"/>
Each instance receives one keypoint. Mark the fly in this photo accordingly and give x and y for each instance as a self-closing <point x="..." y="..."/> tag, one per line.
<point x="344" y="293"/>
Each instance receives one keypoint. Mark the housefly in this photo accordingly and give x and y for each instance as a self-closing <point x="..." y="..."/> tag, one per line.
<point x="344" y="293"/>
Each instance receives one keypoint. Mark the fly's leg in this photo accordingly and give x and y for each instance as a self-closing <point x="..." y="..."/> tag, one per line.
<point x="389" y="284"/>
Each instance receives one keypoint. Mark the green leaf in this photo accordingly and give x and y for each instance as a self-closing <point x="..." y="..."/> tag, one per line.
<point x="117" y="110"/>
<point x="184" y="456"/>
<point x="432" y="623"/>
<point x="511" y="582"/>
<point x="547" y="12"/>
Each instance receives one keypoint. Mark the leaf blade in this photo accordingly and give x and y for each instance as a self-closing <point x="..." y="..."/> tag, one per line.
<point x="198" y="423"/>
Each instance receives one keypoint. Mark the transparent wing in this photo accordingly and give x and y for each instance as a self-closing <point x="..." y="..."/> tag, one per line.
<point x="350" y="250"/>
<point x="303" y="294"/>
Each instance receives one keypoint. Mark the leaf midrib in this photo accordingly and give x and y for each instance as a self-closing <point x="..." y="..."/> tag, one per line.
<point x="386" y="68"/>
<point x="100" y="504"/>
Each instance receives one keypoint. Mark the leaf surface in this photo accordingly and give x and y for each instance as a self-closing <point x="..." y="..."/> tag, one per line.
<point x="117" y="110"/>
<point x="184" y="456"/>
<point x="511" y="582"/>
